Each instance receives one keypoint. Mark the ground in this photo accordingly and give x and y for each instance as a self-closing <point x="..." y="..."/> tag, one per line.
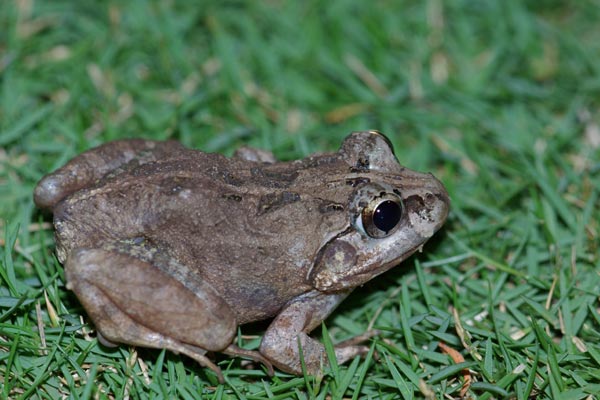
<point x="499" y="99"/>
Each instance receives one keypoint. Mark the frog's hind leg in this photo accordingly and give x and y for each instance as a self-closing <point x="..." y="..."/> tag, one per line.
<point x="255" y="356"/>
<point x="134" y="301"/>
<point x="88" y="167"/>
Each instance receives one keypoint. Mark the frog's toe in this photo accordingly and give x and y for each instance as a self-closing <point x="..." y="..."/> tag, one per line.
<point x="347" y="353"/>
<point x="49" y="191"/>
<point x="353" y="347"/>
<point x="255" y="356"/>
<point x="104" y="341"/>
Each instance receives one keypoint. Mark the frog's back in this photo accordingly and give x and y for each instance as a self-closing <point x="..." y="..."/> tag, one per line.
<point x="249" y="228"/>
<point x="252" y="230"/>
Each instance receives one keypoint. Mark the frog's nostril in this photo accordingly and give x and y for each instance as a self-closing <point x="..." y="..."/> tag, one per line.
<point x="444" y="208"/>
<point x="438" y="193"/>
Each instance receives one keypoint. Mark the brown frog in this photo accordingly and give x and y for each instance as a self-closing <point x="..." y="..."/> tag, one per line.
<point x="168" y="247"/>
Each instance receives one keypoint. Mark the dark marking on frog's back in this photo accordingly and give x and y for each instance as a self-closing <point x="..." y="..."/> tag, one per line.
<point x="354" y="182"/>
<point x="274" y="201"/>
<point x="222" y="174"/>
<point x="173" y="185"/>
<point x="273" y="179"/>
<point x="327" y="207"/>
<point x="232" y="197"/>
<point x="230" y="179"/>
<point x="363" y="164"/>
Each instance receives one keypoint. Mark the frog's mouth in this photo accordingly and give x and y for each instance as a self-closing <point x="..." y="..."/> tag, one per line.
<point x="339" y="266"/>
<point x="362" y="278"/>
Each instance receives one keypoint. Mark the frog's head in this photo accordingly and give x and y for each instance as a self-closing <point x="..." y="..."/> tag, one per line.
<point x="393" y="211"/>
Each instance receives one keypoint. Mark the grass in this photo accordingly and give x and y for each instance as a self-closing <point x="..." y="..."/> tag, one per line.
<point x="499" y="99"/>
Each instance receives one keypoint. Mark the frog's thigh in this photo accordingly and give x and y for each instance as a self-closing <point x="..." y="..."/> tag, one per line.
<point x="290" y="329"/>
<point x="88" y="167"/>
<point x="132" y="301"/>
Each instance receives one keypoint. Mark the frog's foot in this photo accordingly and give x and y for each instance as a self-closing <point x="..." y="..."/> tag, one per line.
<point x="88" y="167"/>
<point x="134" y="301"/>
<point x="348" y="349"/>
<point x="255" y="356"/>
<point x="193" y="352"/>
<point x="197" y="354"/>
<point x="287" y="344"/>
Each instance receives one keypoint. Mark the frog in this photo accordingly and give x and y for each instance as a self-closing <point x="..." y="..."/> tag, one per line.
<point x="173" y="248"/>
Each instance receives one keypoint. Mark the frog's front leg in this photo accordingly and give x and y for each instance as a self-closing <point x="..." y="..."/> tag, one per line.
<point x="291" y="327"/>
<point x="142" y="298"/>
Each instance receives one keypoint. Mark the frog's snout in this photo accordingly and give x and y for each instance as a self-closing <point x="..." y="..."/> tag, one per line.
<point x="427" y="211"/>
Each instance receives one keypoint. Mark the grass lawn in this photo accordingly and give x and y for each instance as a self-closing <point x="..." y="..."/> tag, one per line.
<point x="499" y="99"/>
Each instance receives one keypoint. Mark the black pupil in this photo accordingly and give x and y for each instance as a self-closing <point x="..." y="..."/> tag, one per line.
<point x="386" y="215"/>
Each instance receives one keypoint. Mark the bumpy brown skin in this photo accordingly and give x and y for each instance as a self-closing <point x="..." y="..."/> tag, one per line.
<point x="173" y="248"/>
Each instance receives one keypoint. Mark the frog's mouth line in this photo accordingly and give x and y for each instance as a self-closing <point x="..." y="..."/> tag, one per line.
<point x="387" y="266"/>
<point x="357" y="278"/>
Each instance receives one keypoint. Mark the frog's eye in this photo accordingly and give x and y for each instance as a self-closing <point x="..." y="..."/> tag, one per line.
<point x="382" y="216"/>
